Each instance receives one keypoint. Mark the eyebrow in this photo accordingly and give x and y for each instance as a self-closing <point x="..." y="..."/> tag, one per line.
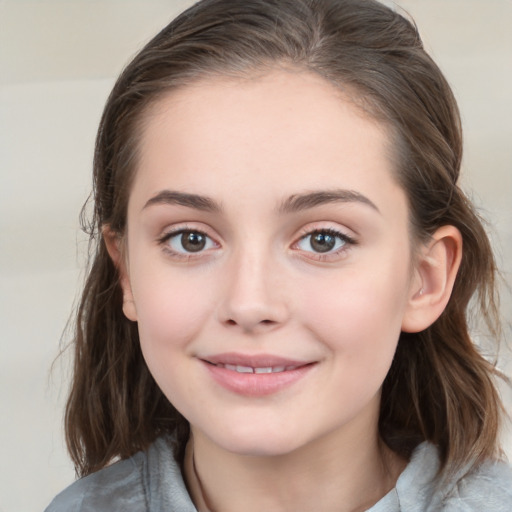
<point x="195" y="201"/>
<point x="298" y="202"/>
<point x="294" y="203"/>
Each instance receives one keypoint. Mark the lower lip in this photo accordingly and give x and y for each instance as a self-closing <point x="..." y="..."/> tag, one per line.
<point x="256" y="384"/>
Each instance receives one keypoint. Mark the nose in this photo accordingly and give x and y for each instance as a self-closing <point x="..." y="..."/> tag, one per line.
<point x="253" y="298"/>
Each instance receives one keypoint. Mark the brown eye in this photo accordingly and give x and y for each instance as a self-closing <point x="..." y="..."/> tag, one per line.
<point x="192" y="241"/>
<point x="324" y="241"/>
<point x="188" y="241"/>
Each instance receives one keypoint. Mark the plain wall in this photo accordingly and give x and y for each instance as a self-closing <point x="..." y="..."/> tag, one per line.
<point x="58" y="61"/>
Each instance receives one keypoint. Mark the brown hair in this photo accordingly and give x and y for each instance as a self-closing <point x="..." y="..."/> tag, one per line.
<point x="439" y="387"/>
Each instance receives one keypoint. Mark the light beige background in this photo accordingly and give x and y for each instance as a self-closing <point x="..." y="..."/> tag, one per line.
<point x="58" y="60"/>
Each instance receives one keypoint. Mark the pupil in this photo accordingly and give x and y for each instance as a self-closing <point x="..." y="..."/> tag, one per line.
<point x="193" y="242"/>
<point x="323" y="242"/>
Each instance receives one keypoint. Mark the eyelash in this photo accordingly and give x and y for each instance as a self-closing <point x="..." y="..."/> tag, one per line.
<point x="346" y="241"/>
<point x="175" y="233"/>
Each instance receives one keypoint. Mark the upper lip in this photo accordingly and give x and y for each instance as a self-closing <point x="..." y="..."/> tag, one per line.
<point x="254" y="361"/>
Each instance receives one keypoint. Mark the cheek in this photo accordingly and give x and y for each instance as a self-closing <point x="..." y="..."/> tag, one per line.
<point x="172" y="308"/>
<point x="171" y="313"/>
<point x="357" y="314"/>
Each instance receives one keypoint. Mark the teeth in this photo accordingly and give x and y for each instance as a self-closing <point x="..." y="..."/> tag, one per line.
<point x="250" y="369"/>
<point x="263" y="370"/>
<point x="244" y="369"/>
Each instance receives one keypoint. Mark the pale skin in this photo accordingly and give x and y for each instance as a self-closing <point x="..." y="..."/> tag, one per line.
<point x="257" y="171"/>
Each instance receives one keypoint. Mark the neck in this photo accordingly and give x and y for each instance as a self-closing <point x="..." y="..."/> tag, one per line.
<point x="349" y="478"/>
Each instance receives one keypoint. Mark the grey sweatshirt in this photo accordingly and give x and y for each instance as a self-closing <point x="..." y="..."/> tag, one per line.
<point x="151" y="481"/>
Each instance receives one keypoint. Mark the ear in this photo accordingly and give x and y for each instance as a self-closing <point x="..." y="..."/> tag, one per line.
<point x="114" y="244"/>
<point x="435" y="273"/>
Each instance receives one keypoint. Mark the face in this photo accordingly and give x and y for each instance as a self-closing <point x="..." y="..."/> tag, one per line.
<point x="267" y="260"/>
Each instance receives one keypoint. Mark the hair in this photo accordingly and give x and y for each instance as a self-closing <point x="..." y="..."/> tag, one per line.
<point x="439" y="388"/>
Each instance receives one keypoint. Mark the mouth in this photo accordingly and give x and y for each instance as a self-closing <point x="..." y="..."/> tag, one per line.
<point x="255" y="376"/>
<point x="260" y="369"/>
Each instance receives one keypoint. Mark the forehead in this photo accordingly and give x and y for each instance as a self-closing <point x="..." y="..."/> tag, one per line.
<point x="285" y="130"/>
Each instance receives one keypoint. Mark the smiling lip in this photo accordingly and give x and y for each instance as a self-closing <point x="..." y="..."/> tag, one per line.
<point x="257" y="375"/>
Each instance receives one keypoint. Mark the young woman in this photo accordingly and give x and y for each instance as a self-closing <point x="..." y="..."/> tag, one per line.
<point x="276" y="313"/>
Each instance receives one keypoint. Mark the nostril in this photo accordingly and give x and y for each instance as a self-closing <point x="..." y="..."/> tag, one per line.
<point x="261" y="322"/>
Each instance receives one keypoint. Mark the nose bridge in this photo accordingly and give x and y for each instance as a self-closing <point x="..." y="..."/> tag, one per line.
<point x="253" y="297"/>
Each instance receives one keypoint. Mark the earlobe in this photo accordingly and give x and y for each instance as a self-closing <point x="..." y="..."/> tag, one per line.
<point x="114" y="245"/>
<point x="435" y="273"/>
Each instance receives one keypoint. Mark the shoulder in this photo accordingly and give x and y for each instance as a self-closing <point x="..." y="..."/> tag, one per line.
<point x="107" y="489"/>
<point x="488" y="488"/>
<point x="147" y="481"/>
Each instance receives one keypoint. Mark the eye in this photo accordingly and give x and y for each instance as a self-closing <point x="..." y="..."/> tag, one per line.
<point x="188" y="241"/>
<point x="323" y="241"/>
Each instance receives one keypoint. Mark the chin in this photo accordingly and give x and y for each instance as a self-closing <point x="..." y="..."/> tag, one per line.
<point x="261" y="443"/>
<point x="260" y="449"/>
